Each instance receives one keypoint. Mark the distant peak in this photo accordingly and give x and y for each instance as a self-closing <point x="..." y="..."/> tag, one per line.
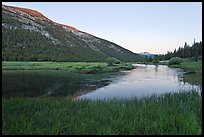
<point x="145" y="53"/>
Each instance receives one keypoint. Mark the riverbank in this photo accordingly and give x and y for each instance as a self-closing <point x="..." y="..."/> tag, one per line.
<point x="78" y="67"/>
<point x="173" y="114"/>
<point x="193" y="71"/>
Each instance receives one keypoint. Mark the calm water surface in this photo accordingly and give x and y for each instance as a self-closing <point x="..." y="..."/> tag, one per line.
<point x="44" y="83"/>
<point x="143" y="81"/>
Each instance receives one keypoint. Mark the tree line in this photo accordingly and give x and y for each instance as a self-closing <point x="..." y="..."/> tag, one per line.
<point x="194" y="52"/>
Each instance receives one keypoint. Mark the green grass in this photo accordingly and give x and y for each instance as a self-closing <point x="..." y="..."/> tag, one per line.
<point x="174" y="114"/>
<point x="79" y="67"/>
<point x="193" y="71"/>
<point x="177" y="113"/>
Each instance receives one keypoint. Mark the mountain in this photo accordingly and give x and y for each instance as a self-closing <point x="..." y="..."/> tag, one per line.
<point x="28" y="35"/>
<point x="147" y="54"/>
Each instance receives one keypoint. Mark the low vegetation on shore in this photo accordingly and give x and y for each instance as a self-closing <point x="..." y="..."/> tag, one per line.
<point x="78" y="67"/>
<point x="193" y="71"/>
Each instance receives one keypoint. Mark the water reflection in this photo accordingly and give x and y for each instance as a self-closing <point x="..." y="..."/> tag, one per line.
<point x="143" y="81"/>
<point x="156" y="68"/>
<point x="49" y="83"/>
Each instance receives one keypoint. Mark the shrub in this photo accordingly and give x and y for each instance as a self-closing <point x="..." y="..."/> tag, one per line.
<point x="175" y="61"/>
<point x="111" y="61"/>
<point x="156" y="61"/>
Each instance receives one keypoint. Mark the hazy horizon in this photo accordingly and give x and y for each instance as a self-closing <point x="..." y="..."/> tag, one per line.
<point x="153" y="27"/>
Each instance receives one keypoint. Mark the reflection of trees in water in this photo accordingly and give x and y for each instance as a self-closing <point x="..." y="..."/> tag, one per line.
<point x="156" y="68"/>
<point x="43" y="84"/>
<point x="24" y="84"/>
<point x="180" y="78"/>
<point x="34" y="84"/>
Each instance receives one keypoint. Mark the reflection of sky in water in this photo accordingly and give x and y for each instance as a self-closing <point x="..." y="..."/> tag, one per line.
<point x="143" y="81"/>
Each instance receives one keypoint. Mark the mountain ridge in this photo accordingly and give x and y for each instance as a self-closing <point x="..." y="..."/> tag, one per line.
<point x="29" y="35"/>
<point x="147" y="54"/>
<point x="36" y="13"/>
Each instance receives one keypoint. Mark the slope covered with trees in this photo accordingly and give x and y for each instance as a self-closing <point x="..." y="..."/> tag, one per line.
<point x="27" y="35"/>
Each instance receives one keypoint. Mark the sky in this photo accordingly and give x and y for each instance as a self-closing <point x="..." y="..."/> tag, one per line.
<point x="155" y="27"/>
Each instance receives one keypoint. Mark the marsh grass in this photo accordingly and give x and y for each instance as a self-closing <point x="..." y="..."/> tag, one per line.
<point x="79" y="67"/>
<point x="172" y="113"/>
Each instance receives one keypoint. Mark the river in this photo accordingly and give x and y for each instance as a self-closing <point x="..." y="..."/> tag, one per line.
<point x="144" y="80"/>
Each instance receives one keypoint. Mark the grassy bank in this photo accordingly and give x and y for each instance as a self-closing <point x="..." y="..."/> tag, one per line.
<point x="193" y="71"/>
<point x="177" y="113"/>
<point x="79" y="67"/>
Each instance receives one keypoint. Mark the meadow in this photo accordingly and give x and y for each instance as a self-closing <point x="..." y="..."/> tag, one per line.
<point x="78" y="67"/>
<point x="170" y="114"/>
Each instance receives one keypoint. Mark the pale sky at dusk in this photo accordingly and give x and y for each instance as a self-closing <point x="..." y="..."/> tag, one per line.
<point x="153" y="27"/>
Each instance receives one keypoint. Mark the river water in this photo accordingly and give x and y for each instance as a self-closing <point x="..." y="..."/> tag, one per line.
<point x="46" y="83"/>
<point x="143" y="81"/>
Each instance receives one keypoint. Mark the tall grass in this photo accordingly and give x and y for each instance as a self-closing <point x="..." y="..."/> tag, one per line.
<point x="176" y="113"/>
